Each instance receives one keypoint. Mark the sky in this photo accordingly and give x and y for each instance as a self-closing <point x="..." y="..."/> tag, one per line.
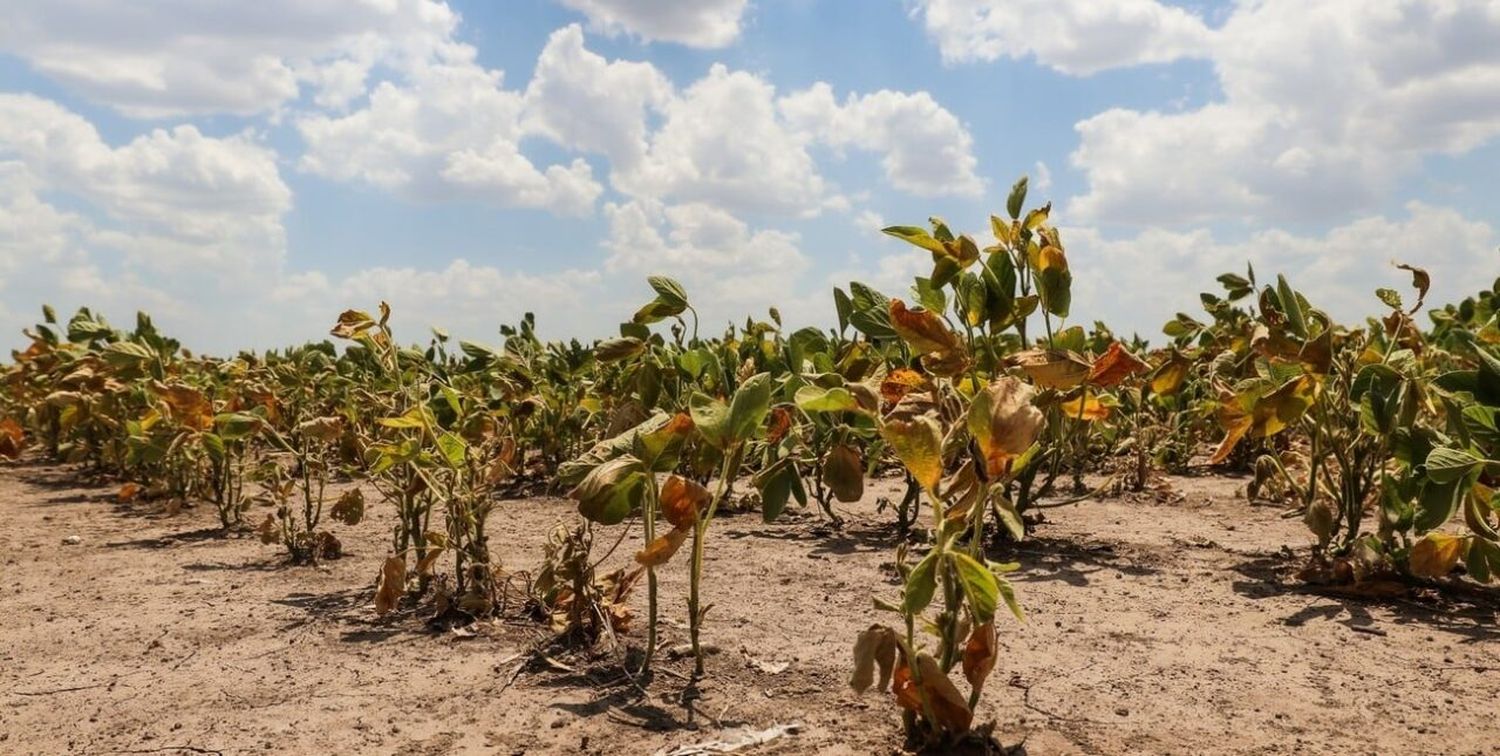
<point x="246" y="171"/>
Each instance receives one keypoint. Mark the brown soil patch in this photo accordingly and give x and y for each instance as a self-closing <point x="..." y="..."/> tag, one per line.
<point x="1169" y="624"/>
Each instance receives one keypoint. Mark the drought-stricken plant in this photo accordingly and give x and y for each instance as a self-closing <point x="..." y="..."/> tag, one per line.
<point x="999" y="425"/>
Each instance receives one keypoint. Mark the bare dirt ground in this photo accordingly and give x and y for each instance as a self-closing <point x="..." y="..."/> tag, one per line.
<point x="1162" y="625"/>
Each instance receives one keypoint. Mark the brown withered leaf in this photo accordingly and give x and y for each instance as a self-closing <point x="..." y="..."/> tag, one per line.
<point x="1114" y="366"/>
<point x="1053" y="368"/>
<point x="1004" y="422"/>
<point x="980" y="653"/>
<point x="12" y="438"/>
<point x="778" y="424"/>
<point x="392" y="585"/>
<point x="128" y="492"/>
<point x="948" y="706"/>
<point x="922" y="329"/>
<point x="844" y="473"/>
<point x="350" y="508"/>
<point x="326" y="546"/>
<point x="874" y="648"/>
<point x="189" y="406"/>
<point x="682" y="500"/>
<point x="268" y="532"/>
<point x="900" y="382"/>
<point x="659" y="551"/>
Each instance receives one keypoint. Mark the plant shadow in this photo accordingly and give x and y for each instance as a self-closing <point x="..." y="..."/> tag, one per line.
<point x="1045" y="559"/>
<point x="1469" y="612"/>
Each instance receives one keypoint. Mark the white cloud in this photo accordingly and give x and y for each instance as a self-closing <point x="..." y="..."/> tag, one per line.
<point x="1076" y="37"/>
<point x="579" y="99"/>
<point x="723" y="142"/>
<point x="1338" y="270"/>
<point x="449" y="129"/>
<point x="927" y="151"/>
<point x="1326" y="108"/>
<point x="697" y="23"/>
<point x="729" y="268"/>
<point x="179" y="57"/>
<point x="467" y="299"/>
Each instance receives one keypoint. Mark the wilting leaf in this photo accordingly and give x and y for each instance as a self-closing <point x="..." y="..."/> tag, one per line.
<point x="619" y="348"/>
<point x="611" y="491"/>
<point x="711" y="417"/>
<point x="128" y="493"/>
<point x="392" y="584"/>
<point x="1436" y="554"/>
<point x="980" y="653"/>
<point x="350" y="508"/>
<point x="682" y="500"/>
<point x="1003" y="422"/>
<point x="1274" y="412"/>
<point x="1114" y="366"/>
<point x="917" y="236"/>
<point x="1055" y="368"/>
<point x="352" y="323"/>
<point x="844" y="473"/>
<point x="1054" y="281"/>
<point x="918" y="443"/>
<point x="658" y="444"/>
<point x="1421" y="281"/>
<point x="1016" y="199"/>
<point x="188" y="406"/>
<point x="778" y="483"/>
<point x="922" y="329"/>
<point x="874" y="648"/>
<point x="660" y="550"/>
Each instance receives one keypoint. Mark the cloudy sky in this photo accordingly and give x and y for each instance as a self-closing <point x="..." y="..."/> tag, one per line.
<point x="244" y="171"/>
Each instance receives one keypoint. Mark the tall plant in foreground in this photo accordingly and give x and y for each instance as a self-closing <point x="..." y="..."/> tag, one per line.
<point x="1000" y="425"/>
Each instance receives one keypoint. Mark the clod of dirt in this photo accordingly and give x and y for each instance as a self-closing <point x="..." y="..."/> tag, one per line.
<point x="72" y="540"/>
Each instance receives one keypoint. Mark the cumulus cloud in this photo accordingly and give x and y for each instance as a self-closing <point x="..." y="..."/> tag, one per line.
<point x="1076" y="37"/>
<point x="1338" y="270"/>
<point x="183" y="57"/>
<point x="450" y="127"/>
<point x="1326" y="107"/>
<point x="700" y="23"/>
<point x="926" y="149"/>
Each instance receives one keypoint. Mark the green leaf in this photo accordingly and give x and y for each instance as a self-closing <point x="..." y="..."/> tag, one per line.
<point x="1447" y="465"/>
<point x="920" y="584"/>
<point x="453" y="449"/>
<point x="979" y="584"/>
<point x="1436" y="504"/>
<point x="748" y="407"/>
<point x="1017" y="198"/>
<point x="817" y="399"/>
<point x="916" y="236"/>
<point x="611" y="491"/>
<point x="234" y="426"/>
<point x="711" y="416"/>
<point x="1290" y="307"/>
<point x="670" y="291"/>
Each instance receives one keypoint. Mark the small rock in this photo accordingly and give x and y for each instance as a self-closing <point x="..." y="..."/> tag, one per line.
<point x="1122" y="712"/>
<point x="72" y="540"/>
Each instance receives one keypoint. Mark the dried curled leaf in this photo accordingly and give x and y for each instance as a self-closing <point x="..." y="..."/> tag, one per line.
<point x="268" y="532"/>
<point x="844" y="473"/>
<point x="1053" y="368"/>
<point x="1003" y="422"/>
<point x="392" y="584"/>
<point x="350" y="508"/>
<point x="682" y="500"/>
<point x="128" y="492"/>
<point x="12" y="439"/>
<point x="1114" y="366"/>
<point x="874" y="648"/>
<point x="980" y="653"/>
<point x="950" y="711"/>
<point x="922" y="329"/>
<point x="659" y="551"/>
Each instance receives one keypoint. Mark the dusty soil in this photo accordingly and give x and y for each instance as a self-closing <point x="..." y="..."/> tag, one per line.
<point x="1166" y="624"/>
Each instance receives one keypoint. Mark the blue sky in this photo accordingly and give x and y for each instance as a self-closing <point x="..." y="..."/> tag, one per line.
<point x="245" y="171"/>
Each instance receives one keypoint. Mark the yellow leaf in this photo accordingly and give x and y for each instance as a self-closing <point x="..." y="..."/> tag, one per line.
<point x="1436" y="554"/>
<point x="918" y="442"/>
